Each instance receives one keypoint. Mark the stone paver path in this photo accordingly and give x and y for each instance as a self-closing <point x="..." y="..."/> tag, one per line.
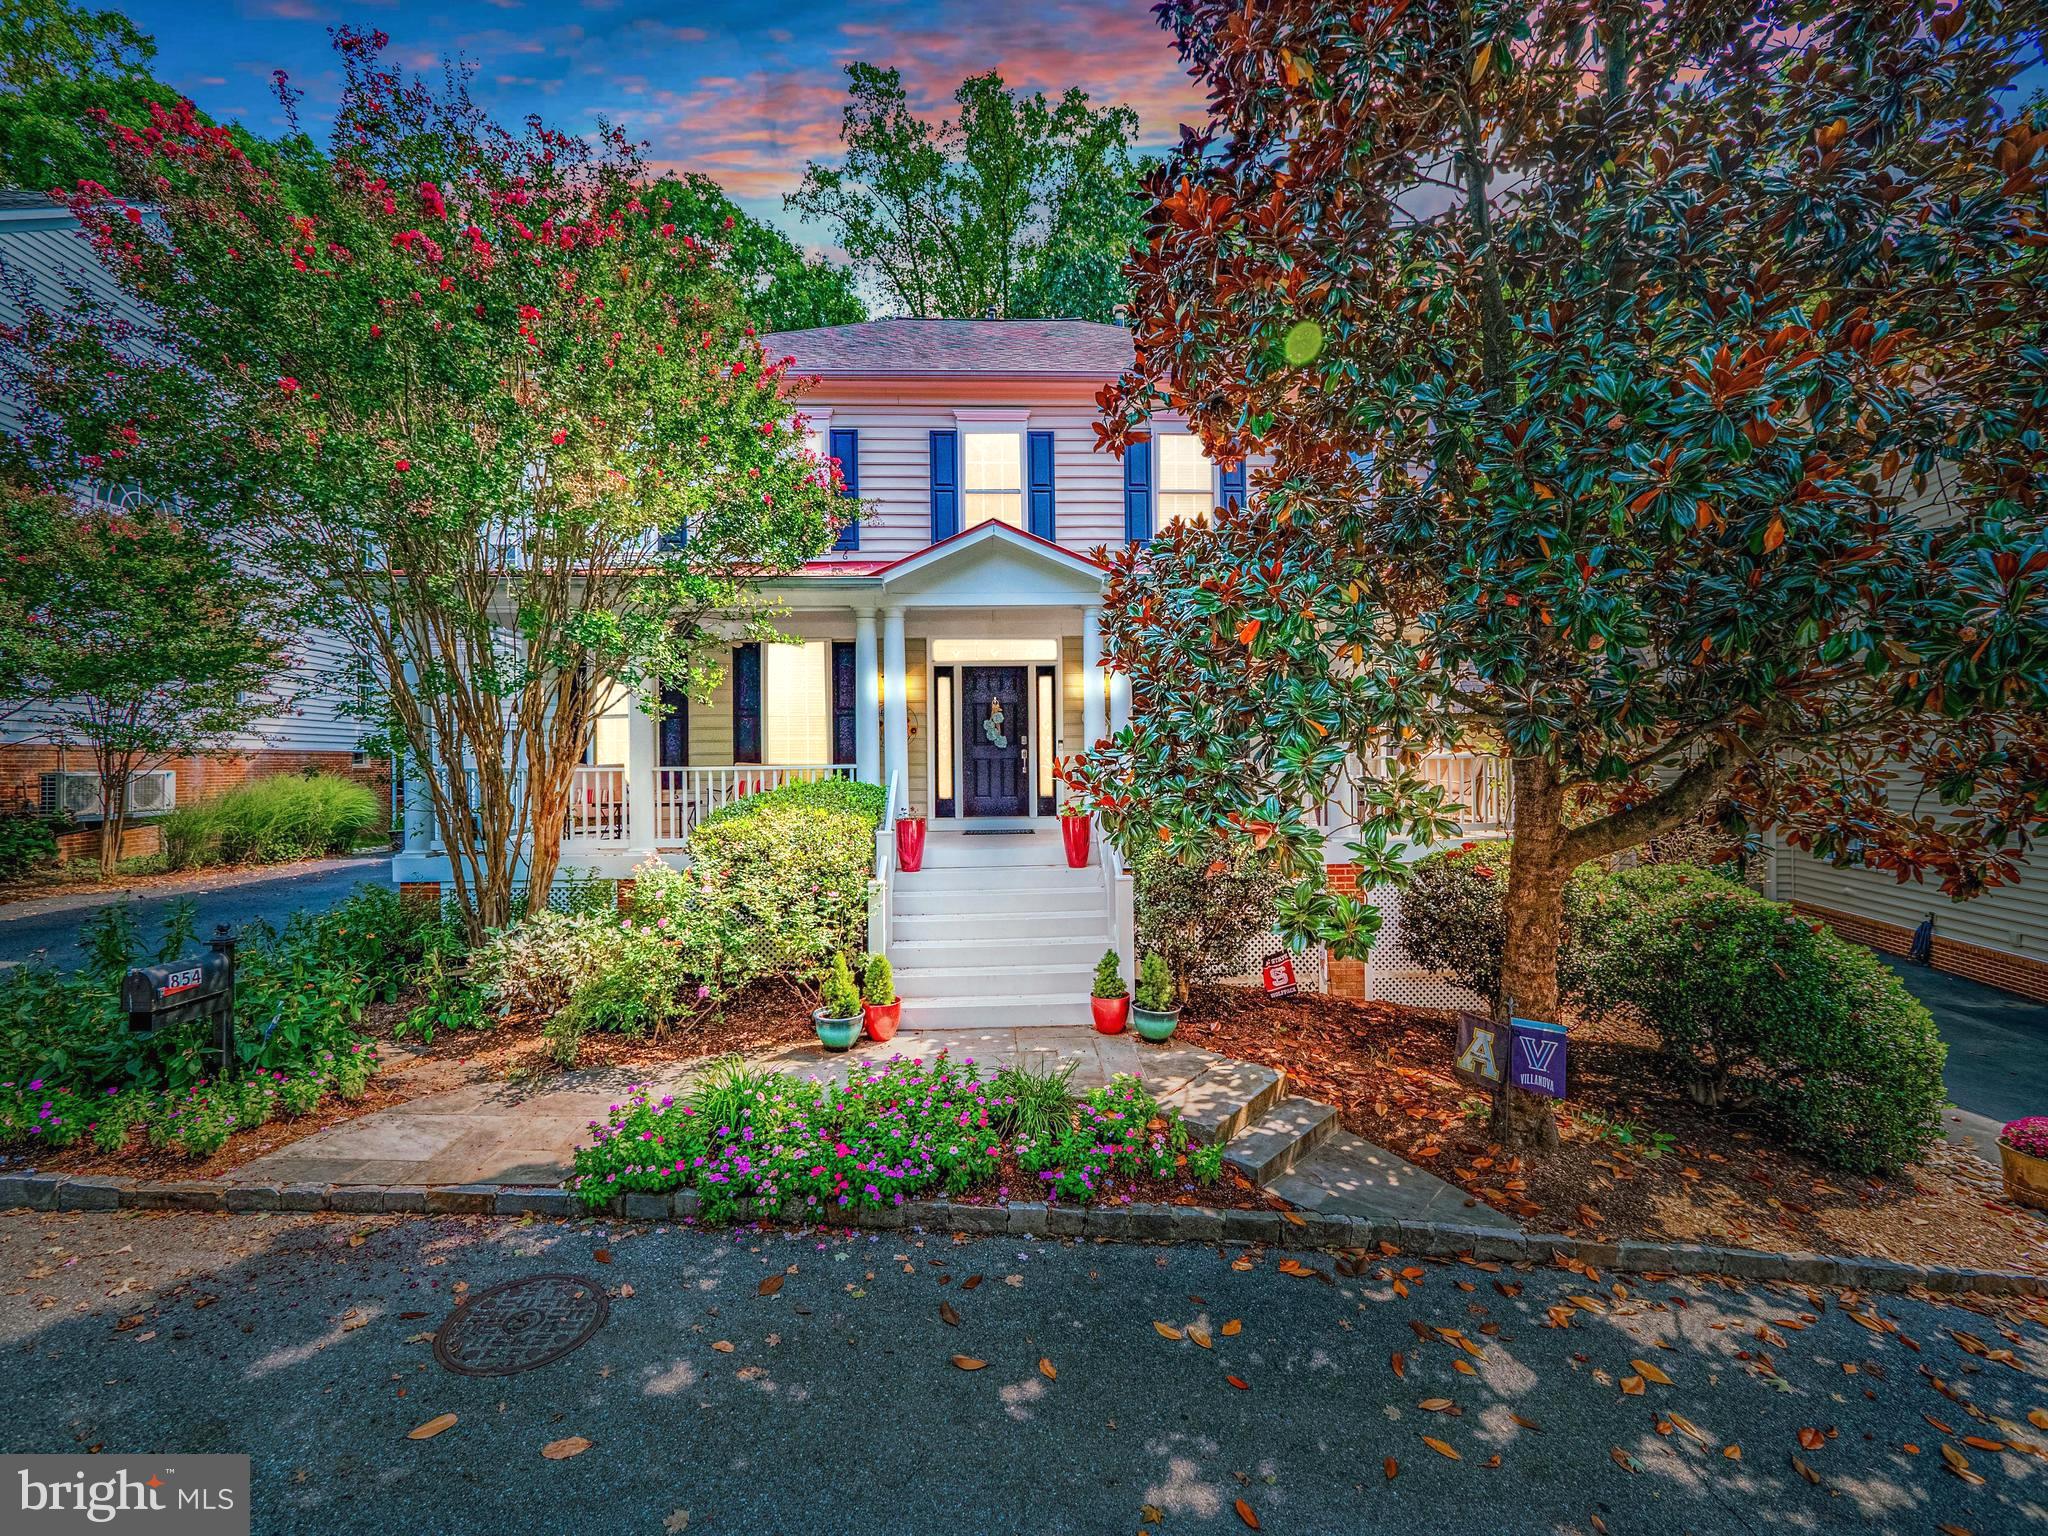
<point x="496" y="1133"/>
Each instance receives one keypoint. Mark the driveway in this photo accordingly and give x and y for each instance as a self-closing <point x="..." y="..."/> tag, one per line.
<point x="50" y="924"/>
<point x="1997" y="1052"/>
<point x="784" y="1383"/>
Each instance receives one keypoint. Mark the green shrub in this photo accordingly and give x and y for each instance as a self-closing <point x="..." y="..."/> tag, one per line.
<point x="1202" y="919"/>
<point x="1156" y="993"/>
<point x="26" y="842"/>
<point x="878" y="982"/>
<point x="1454" y="918"/>
<point x="839" y="998"/>
<point x="290" y="816"/>
<point x="1761" y="1008"/>
<point x="190" y="837"/>
<point x="1109" y="976"/>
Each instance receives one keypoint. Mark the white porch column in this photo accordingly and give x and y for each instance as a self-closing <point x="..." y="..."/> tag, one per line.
<point x="1093" y="725"/>
<point x="1119" y="701"/>
<point x="867" y="718"/>
<point x="642" y="748"/>
<point x="895" y="705"/>
<point x="419" y="799"/>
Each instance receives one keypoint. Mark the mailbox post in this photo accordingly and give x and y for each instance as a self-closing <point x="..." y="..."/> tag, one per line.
<point x="159" y="997"/>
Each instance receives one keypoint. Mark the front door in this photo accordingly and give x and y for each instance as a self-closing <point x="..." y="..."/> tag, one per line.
<point x="995" y="722"/>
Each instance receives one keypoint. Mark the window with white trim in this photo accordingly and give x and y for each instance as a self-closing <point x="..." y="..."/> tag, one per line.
<point x="796" y="702"/>
<point x="1187" y="486"/>
<point x="992" y="478"/>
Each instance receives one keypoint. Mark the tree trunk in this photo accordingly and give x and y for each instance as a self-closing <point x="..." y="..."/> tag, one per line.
<point x="1535" y="926"/>
<point x="113" y="823"/>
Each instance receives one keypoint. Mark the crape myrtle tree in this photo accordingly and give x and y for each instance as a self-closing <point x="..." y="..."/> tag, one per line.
<point x="1656" y="396"/>
<point x="134" y="637"/>
<point x="473" y="386"/>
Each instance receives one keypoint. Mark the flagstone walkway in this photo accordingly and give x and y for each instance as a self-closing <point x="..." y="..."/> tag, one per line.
<point x="498" y="1133"/>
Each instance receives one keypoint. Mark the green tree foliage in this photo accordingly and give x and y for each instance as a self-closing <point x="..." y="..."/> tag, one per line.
<point x="1018" y="206"/>
<point x="782" y="289"/>
<point x="57" y="63"/>
<point x="149" y="643"/>
<point x="475" y="387"/>
<point x="1657" y="396"/>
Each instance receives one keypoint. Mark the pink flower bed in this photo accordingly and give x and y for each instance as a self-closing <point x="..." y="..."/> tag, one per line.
<point x="2029" y="1135"/>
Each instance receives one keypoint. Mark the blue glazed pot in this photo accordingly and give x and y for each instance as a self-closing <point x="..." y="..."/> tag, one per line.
<point x="1154" y="1026"/>
<point x="836" y="1034"/>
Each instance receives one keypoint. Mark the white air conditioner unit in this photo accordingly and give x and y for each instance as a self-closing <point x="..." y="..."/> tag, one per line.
<point x="77" y="795"/>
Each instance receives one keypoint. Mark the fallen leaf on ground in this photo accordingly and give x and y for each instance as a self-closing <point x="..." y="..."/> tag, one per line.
<point x="1239" y="1382"/>
<point x="947" y="1315"/>
<point x="1812" y="1438"/>
<point x="602" y="1255"/>
<point x="1650" y="1372"/>
<point x="769" y="1285"/>
<point x="1441" y="1448"/>
<point x="1234" y="1327"/>
<point x="1244" y="1513"/>
<point x="1733" y="1453"/>
<point x="1400" y="1366"/>
<point x="1048" y="1370"/>
<point x="1200" y="1335"/>
<point x="1391" y="1467"/>
<point x="1434" y="1404"/>
<point x="1526" y="1423"/>
<point x="1805" y="1471"/>
<point x="968" y="1362"/>
<point x="1623" y="1460"/>
<point x="1167" y="1331"/>
<point x="432" y="1427"/>
<point x="723" y="1346"/>
<point x="2038" y="1417"/>
<point x="1632" y="1386"/>
<point x="562" y="1450"/>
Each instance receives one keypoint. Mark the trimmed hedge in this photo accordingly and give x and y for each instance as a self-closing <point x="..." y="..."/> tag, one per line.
<point x="1200" y="920"/>
<point x="1770" y="1011"/>
<point x="1454" y="918"/>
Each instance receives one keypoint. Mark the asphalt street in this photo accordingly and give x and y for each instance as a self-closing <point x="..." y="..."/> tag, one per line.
<point x="1997" y="1052"/>
<point x="48" y="926"/>
<point x="784" y="1382"/>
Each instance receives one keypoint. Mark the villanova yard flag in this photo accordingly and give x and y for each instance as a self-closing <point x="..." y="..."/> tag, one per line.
<point x="1537" y="1057"/>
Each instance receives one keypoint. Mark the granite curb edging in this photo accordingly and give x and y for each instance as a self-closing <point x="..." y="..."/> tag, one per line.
<point x="1130" y="1223"/>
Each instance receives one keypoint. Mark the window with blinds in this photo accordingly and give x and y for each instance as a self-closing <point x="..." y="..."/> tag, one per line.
<point x="796" y="702"/>
<point x="994" y="478"/>
<point x="1187" y="492"/>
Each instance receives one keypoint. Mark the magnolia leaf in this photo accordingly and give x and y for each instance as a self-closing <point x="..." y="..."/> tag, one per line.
<point x="1442" y="1448"/>
<point x="562" y="1450"/>
<point x="968" y="1362"/>
<point x="432" y="1427"/>
<point x="1048" y="1370"/>
<point x="1167" y="1331"/>
<point x="1234" y="1327"/>
<point x="1244" y="1513"/>
<point x="1650" y="1372"/>
<point x="769" y="1285"/>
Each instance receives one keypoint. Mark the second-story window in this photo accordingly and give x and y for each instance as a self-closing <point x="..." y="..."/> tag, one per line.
<point x="993" y="471"/>
<point x="1187" y="489"/>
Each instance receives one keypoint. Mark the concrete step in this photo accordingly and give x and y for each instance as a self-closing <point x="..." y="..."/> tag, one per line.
<point x="955" y="927"/>
<point x="1271" y="1145"/>
<point x="1081" y="950"/>
<point x="943" y="849"/>
<point x="991" y="980"/>
<point x="995" y="1013"/>
<point x="1348" y="1176"/>
<point x="1226" y="1098"/>
<point x="1051" y="878"/>
<point x="911" y="900"/>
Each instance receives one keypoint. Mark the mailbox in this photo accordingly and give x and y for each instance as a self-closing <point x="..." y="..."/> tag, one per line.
<point x="160" y="997"/>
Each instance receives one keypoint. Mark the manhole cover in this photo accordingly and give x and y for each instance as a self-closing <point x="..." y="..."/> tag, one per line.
<point x="521" y="1325"/>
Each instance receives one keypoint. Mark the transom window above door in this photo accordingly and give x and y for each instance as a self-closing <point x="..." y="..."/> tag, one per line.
<point x="992" y="473"/>
<point x="1187" y="488"/>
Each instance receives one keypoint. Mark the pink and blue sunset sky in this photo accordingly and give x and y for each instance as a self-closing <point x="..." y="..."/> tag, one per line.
<point x="743" y="92"/>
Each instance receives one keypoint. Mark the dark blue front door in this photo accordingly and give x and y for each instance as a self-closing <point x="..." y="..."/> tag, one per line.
<point x="995" y="753"/>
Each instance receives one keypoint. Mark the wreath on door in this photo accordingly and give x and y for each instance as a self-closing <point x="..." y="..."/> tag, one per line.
<point x="992" y="727"/>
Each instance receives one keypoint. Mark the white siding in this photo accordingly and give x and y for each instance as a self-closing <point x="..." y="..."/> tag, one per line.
<point x="2012" y="918"/>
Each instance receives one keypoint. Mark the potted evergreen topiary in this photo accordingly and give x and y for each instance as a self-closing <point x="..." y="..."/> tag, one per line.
<point x="837" y="1017"/>
<point x="1110" y="1001"/>
<point x="2023" y="1149"/>
<point x="879" y="1005"/>
<point x="1158" y="1005"/>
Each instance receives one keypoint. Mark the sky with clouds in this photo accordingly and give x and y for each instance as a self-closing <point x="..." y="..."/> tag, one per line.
<point x="743" y="92"/>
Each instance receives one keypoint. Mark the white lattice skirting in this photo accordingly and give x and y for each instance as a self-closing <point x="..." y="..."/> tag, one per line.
<point x="1392" y="974"/>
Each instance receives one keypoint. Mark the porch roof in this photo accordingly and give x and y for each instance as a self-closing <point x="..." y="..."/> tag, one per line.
<point x="964" y="561"/>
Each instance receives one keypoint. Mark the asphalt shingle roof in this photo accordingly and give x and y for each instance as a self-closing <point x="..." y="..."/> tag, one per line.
<point x="1073" y="348"/>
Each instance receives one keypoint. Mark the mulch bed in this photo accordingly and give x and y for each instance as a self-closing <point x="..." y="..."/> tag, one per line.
<point x="1720" y="1179"/>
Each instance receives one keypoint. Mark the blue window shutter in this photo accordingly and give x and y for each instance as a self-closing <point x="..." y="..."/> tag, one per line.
<point x="1230" y="484"/>
<point x="845" y="447"/>
<point x="945" y="485"/>
<point x="1039" y="477"/>
<point x="1138" y="491"/>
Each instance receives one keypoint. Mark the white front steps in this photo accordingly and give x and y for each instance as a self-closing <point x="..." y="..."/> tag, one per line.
<point x="996" y="932"/>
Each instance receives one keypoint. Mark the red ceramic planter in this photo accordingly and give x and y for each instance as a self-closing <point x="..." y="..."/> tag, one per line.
<point x="1111" y="1013"/>
<point x="882" y="1019"/>
<point x="910" y="844"/>
<point x="1074" y="832"/>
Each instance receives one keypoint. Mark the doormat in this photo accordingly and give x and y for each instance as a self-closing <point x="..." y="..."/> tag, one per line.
<point x="1000" y="832"/>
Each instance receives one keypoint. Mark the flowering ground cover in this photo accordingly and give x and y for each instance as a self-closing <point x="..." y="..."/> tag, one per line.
<point x="752" y="1141"/>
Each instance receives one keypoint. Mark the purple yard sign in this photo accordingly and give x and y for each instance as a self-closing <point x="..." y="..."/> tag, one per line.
<point x="1478" y="1058"/>
<point x="1538" y="1059"/>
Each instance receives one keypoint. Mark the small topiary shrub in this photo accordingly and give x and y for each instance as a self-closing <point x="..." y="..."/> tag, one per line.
<point x="1454" y="918"/>
<point x="1109" y="976"/>
<point x="878" y="982"/>
<point x="1764" y="1009"/>
<point x="1156" y="992"/>
<point x="839" y="998"/>
<point x="1203" y="919"/>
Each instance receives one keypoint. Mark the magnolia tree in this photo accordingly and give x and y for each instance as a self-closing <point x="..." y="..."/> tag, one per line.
<point x="1657" y="396"/>
<point x="476" y="388"/>
<point x="135" y="638"/>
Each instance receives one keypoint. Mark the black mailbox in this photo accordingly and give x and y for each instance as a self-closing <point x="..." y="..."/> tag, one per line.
<point x="203" y="988"/>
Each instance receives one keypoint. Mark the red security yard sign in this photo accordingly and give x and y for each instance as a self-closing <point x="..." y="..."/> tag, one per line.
<point x="1279" y="975"/>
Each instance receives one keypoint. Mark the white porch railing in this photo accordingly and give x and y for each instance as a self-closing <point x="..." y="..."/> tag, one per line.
<point x="597" y="805"/>
<point x="885" y="868"/>
<point x="685" y="796"/>
<point x="1479" y="782"/>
